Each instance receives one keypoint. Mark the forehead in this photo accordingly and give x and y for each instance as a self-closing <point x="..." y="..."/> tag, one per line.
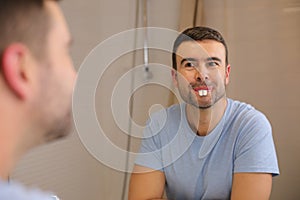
<point x="201" y="49"/>
<point x="57" y="21"/>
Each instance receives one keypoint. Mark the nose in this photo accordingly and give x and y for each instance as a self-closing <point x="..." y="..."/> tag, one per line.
<point x="201" y="75"/>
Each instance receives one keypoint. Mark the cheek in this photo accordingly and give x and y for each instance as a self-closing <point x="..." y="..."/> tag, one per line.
<point x="66" y="67"/>
<point x="63" y="77"/>
<point x="186" y="76"/>
<point x="219" y="75"/>
<point x="183" y="79"/>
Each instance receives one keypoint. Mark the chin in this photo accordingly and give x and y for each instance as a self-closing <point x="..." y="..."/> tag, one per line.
<point x="60" y="129"/>
<point x="56" y="135"/>
<point x="204" y="107"/>
<point x="202" y="104"/>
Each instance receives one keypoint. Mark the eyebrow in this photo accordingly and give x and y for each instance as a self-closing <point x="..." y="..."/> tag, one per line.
<point x="214" y="59"/>
<point x="195" y="60"/>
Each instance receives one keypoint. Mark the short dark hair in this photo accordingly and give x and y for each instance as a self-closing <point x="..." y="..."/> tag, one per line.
<point x="25" y="21"/>
<point x="198" y="33"/>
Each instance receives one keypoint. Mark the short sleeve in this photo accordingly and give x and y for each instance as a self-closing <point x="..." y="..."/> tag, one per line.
<point x="150" y="151"/>
<point x="255" y="149"/>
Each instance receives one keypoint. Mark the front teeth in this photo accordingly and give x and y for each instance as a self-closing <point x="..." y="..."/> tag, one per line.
<point x="202" y="93"/>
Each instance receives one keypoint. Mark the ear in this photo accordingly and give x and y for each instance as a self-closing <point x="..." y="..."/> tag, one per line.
<point x="174" y="77"/>
<point x="227" y="73"/>
<point x="13" y="69"/>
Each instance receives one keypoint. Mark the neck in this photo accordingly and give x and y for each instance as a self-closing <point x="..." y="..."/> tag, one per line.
<point x="17" y="131"/>
<point x="9" y="154"/>
<point x="203" y="121"/>
<point x="7" y="164"/>
<point x="13" y="140"/>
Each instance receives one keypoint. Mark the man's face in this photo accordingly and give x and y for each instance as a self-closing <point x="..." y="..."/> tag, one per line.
<point x="201" y="68"/>
<point x="57" y="77"/>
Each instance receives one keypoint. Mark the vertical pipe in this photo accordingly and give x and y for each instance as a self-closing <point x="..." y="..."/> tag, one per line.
<point x="195" y="13"/>
<point x="123" y="197"/>
<point x="146" y="49"/>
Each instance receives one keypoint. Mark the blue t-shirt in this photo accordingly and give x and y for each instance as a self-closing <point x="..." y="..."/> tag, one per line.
<point x="202" y="167"/>
<point x="15" y="191"/>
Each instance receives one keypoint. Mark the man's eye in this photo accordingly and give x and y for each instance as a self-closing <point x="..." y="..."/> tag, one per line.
<point x="189" y="64"/>
<point x="212" y="64"/>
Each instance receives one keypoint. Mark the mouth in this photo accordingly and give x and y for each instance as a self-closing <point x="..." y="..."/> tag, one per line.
<point x="202" y="91"/>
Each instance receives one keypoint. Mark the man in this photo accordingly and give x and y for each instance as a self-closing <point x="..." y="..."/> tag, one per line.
<point x="210" y="146"/>
<point x="36" y="83"/>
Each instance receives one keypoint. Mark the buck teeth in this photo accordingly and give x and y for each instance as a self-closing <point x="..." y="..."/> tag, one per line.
<point x="202" y="93"/>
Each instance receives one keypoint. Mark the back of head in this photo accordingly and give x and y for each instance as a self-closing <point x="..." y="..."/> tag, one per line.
<point x="198" y="33"/>
<point x="24" y="21"/>
<point x="32" y="51"/>
<point x="36" y="91"/>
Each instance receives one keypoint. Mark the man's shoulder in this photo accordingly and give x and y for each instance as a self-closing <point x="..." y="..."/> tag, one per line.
<point x="166" y="120"/>
<point x="245" y="114"/>
<point x="171" y="110"/>
<point x="243" y="109"/>
<point x="239" y="105"/>
<point x="16" y="191"/>
<point x="174" y="112"/>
